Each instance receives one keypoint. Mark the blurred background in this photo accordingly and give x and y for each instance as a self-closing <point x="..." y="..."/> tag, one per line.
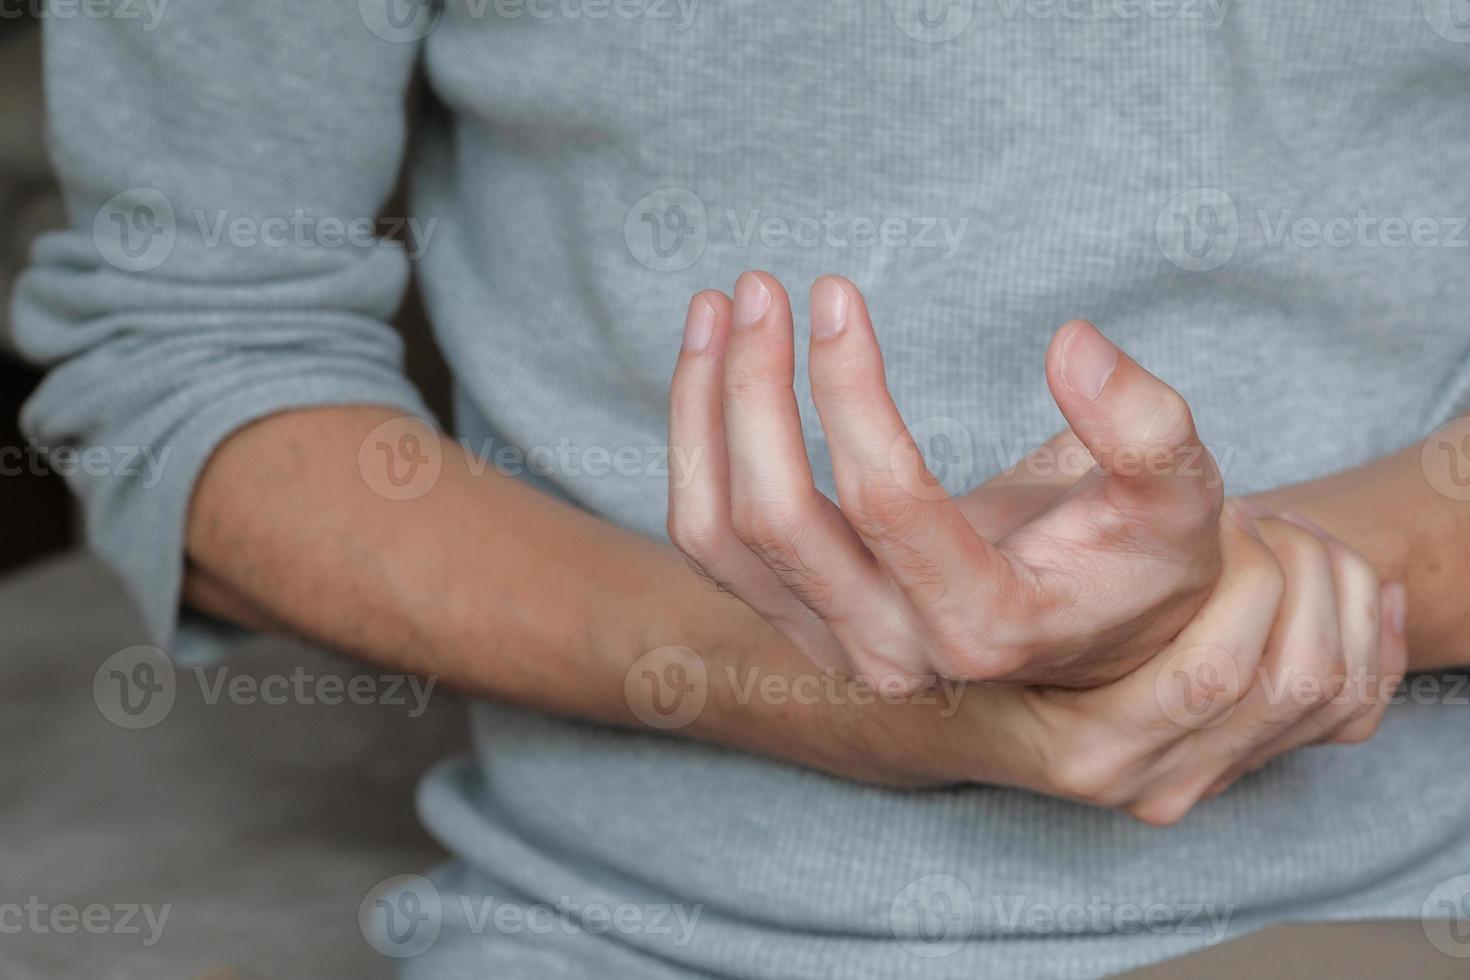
<point x="256" y="829"/>
<point x="36" y="515"/>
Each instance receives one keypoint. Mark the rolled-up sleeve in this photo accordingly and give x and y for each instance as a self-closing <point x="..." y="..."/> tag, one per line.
<point x="222" y="162"/>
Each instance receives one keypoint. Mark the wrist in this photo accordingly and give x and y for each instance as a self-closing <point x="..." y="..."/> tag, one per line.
<point x="1390" y="512"/>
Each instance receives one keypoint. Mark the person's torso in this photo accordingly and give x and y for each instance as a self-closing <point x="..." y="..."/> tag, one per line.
<point x="1264" y="204"/>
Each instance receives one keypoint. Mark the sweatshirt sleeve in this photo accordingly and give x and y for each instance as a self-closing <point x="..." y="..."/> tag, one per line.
<point x="223" y="164"/>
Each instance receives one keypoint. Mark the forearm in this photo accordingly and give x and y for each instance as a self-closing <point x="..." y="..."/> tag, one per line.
<point x="499" y="591"/>
<point x="1391" y="511"/>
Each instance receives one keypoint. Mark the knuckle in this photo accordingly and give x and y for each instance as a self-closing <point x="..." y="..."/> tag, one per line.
<point x="1359" y="730"/>
<point x="881" y="509"/>
<point x="767" y="528"/>
<point x="921" y="574"/>
<point x="696" y="535"/>
<point x="1300" y="552"/>
<point x="1358" y="589"/>
<point x="752" y="381"/>
<point x="1162" y="809"/>
<point x="1352" y="566"/>
<point x="1091" y="769"/>
<point x="888" y="674"/>
<point x="1264" y="575"/>
<point x="959" y="660"/>
<point x="1307" y="681"/>
<point x="1320" y="658"/>
<point x="1171" y="423"/>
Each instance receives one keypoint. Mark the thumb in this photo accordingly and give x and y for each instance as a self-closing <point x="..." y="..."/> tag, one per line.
<point x="1138" y="429"/>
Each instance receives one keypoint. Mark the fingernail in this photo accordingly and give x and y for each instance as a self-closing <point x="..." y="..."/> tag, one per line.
<point x="829" y="308"/>
<point x="1396" y="606"/>
<point x="1305" y="523"/>
<point x="1088" y="361"/>
<point x="699" y="325"/>
<point x="752" y="299"/>
<point x="1242" y="518"/>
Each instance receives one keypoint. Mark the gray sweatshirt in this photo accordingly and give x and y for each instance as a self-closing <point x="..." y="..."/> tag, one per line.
<point x="1264" y="203"/>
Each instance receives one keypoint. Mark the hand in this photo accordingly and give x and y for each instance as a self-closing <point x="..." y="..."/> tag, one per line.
<point x="895" y="581"/>
<point x="1298" y="644"/>
<point x="1010" y="499"/>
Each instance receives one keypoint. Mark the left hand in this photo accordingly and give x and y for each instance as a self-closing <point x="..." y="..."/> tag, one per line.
<point x="897" y="581"/>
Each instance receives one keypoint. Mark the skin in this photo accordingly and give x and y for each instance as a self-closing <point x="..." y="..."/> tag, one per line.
<point x="553" y="608"/>
<point x="1289" y="646"/>
<point x="1097" y="582"/>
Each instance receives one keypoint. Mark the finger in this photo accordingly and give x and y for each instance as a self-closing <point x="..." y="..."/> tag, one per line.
<point x="954" y="578"/>
<point x="776" y="509"/>
<point x="1360" y="626"/>
<point x="699" y="488"/>
<point x="1393" y="660"/>
<point x="1138" y="429"/>
<point x="1299" y="696"/>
